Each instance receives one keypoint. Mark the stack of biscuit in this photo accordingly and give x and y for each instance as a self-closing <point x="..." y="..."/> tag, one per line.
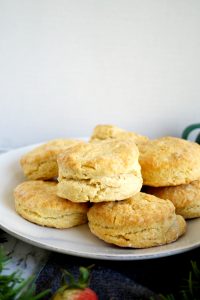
<point x="36" y="200"/>
<point x="140" y="221"/>
<point x="100" y="182"/>
<point x="171" y="170"/>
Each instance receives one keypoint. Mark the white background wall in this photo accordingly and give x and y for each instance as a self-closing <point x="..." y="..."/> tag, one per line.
<point x="67" y="65"/>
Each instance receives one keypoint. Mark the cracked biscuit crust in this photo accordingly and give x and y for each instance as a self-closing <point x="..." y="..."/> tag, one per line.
<point x="41" y="162"/>
<point x="103" y="171"/>
<point x="37" y="202"/>
<point x="103" y="158"/>
<point x="103" y="132"/>
<point x="100" y="189"/>
<point x="169" y="161"/>
<point x="138" y="222"/>
<point x="185" y="197"/>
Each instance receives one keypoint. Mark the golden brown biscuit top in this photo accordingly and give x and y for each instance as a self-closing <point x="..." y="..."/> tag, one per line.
<point x="48" y="150"/>
<point x="169" y="152"/>
<point x="40" y="194"/>
<point x="102" y="132"/>
<point x="183" y="195"/>
<point x="102" y="158"/>
<point x="141" y="209"/>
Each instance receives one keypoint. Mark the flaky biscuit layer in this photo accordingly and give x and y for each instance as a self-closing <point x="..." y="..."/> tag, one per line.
<point x="41" y="162"/>
<point x="138" y="222"/>
<point x="100" y="189"/>
<point x="104" y="158"/>
<point x="37" y="202"/>
<point x="185" y="197"/>
<point x="102" y="171"/>
<point x="103" y="132"/>
<point x="169" y="161"/>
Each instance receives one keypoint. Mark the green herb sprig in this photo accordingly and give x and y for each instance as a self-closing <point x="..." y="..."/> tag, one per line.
<point x="13" y="286"/>
<point x="190" y="289"/>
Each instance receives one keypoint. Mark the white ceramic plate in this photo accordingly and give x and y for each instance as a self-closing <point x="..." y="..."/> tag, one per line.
<point x="78" y="240"/>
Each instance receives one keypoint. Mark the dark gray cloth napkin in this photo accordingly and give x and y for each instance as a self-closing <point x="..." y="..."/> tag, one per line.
<point x="123" y="280"/>
<point x="109" y="284"/>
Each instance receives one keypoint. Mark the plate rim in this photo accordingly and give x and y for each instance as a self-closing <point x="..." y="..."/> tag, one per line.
<point x="114" y="256"/>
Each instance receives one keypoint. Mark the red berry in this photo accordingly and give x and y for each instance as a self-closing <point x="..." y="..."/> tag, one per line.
<point x="76" y="294"/>
<point x="75" y="290"/>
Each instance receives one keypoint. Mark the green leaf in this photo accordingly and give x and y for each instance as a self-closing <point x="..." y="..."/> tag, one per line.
<point x="190" y="289"/>
<point x="14" y="287"/>
<point x="68" y="281"/>
<point x="84" y="276"/>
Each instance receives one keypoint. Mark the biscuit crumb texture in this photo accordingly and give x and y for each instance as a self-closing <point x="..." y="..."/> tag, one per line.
<point x="41" y="162"/>
<point x="100" y="189"/>
<point x="185" y="197"/>
<point x="141" y="221"/>
<point x="169" y="161"/>
<point x="103" y="132"/>
<point x="37" y="202"/>
<point x="103" y="171"/>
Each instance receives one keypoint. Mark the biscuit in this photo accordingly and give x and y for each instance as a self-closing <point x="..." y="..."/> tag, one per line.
<point x="41" y="162"/>
<point x="169" y="161"/>
<point x="103" y="132"/>
<point x="138" y="222"/>
<point x="185" y="197"/>
<point x="37" y="202"/>
<point x="101" y="171"/>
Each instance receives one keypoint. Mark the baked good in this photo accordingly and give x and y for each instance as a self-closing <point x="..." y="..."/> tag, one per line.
<point x="41" y="162"/>
<point x="103" y="132"/>
<point x="169" y="161"/>
<point x="37" y="202"/>
<point x="101" y="171"/>
<point x="185" y="197"/>
<point x="138" y="222"/>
